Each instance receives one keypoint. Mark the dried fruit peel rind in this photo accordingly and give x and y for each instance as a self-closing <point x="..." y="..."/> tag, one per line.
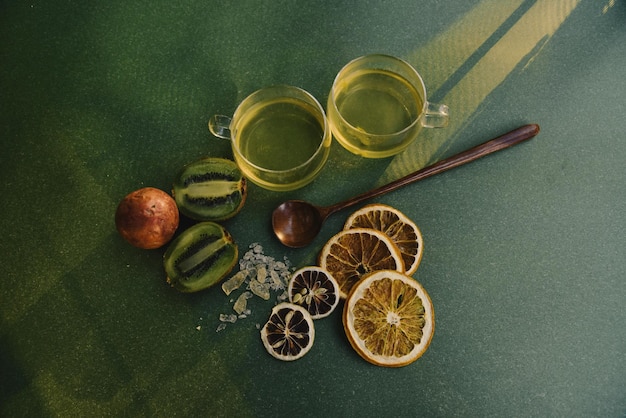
<point x="350" y="254"/>
<point x="397" y="226"/>
<point x="397" y="306"/>
<point x="289" y="333"/>
<point x="315" y="289"/>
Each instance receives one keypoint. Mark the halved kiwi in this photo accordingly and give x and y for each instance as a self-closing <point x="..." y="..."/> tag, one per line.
<point x="210" y="189"/>
<point x="200" y="257"/>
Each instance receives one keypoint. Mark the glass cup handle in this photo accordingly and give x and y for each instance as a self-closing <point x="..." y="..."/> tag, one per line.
<point x="219" y="125"/>
<point x="435" y="116"/>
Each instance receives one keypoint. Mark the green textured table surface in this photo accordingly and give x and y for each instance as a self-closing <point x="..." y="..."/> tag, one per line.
<point x="524" y="250"/>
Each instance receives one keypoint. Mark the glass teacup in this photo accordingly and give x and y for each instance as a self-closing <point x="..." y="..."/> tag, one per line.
<point x="280" y="137"/>
<point x="377" y="106"/>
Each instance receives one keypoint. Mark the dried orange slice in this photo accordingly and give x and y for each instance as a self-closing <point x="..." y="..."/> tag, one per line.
<point x="315" y="289"/>
<point x="389" y="319"/>
<point x="351" y="253"/>
<point x="397" y="226"/>
<point x="289" y="333"/>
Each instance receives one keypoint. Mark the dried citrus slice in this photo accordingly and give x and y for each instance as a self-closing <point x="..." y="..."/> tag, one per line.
<point x="315" y="289"/>
<point x="397" y="226"/>
<point x="289" y="332"/>
<point x="351" y="253"/>
<point x="389" y="319"/>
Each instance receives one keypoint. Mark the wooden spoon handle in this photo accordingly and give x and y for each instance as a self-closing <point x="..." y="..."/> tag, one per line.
<point x="504" y="141"/>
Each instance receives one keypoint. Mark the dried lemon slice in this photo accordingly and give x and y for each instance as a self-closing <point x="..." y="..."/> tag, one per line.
<point x="289" y="333"/>
<point x="397" y="226"/>
<point x="389" y="319"/>
<point x="351" y="253"/>
<point x="315" y="289"/>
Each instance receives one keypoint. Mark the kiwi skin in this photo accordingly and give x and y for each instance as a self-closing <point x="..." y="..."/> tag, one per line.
<point x="147" y="218"/>
<point x="200" y="257"/>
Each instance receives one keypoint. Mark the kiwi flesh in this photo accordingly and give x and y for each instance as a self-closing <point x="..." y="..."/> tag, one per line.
<point x="210" y="189"/>
<point x="200" y="257"/>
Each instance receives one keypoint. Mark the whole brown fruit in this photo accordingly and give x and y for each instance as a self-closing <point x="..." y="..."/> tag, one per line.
<point x="147" y="218"/>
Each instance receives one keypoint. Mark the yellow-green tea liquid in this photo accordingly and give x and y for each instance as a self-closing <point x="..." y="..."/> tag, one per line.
<point x="280" y="135"/>
<point x="379" y="112"/>
<point x="378" y="102"/>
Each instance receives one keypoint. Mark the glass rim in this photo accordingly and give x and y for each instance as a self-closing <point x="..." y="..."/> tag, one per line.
<point x="421" y="88"/>
<point x="325" y="125"/>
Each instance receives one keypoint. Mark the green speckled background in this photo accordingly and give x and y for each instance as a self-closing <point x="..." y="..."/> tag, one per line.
<point x="524" y="250"/>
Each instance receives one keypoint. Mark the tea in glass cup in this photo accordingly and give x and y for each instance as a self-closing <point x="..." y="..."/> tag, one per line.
<point x="280" y="137"/>
<point x="377" y="106"/>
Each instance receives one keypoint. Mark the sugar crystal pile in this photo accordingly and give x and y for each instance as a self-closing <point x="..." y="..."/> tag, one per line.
<point x="259" y="275"/>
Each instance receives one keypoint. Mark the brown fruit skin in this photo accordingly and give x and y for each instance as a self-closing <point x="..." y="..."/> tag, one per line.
<point x="147" y="218"/>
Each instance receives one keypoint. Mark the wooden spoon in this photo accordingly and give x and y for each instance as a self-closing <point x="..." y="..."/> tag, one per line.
<point x="296" y="222"/>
